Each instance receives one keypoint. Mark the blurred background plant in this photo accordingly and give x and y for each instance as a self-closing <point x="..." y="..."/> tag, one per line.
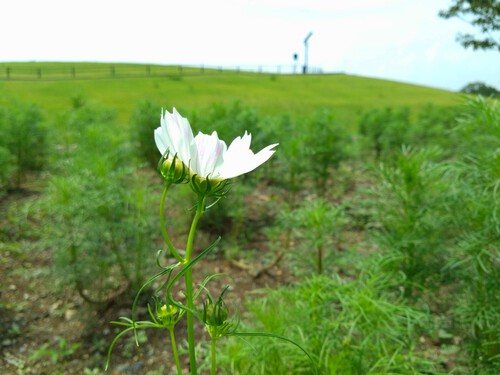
<point x="23" y="142"/>
<point x="385" y="130"/>
<point x="145" y="119"/>
<point x="411" y="217"/>
<point x="327" y="143"/>
<point x="101" y="227"/>
<point x="316" y="228"/>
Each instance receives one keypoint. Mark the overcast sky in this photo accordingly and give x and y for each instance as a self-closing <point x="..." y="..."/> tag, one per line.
<point x="400" y="40"/>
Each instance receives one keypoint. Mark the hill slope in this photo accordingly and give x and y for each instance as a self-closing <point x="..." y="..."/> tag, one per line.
<point x="122" y="86"/>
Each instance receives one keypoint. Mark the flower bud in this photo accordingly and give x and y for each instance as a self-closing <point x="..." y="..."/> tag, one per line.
<point x="166" y="314"/>
<point x="209" y="187"/>
<point x="173" y="170"/>
<point x="215" y="314"/>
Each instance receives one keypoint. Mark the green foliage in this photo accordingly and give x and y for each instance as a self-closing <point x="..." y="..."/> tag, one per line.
<point x="412" y="217"/>
<point x="291" y="163"/>
<point x="71" y="124"/>
<point x="386" y="129"/>
<point x="145" y="119"/>
<point x="229" y="120"/>
<point x="310" y="149"/>
<point x="62" y="351"/>
<point x="326" y="144"/>
<point x="100" y="227"/>
<point x="78" y="100"/>
<point x="230" y="217"/>
<point x="438" y="225"/>
<point x="316" y="227"/>
<point x="434" y="127"/>
<point x="349" y="327"/>
<point x="24" y="136"/>
<point x="476" y="253"/>
<point x="480" y="88"/>
<point x="94" y="371"/>
<point x="478" y="127"/>
<point x="482" y="14"/>
<point x="6" y="168"/>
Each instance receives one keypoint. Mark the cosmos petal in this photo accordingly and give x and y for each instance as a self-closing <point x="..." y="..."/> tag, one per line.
<point x="206" y="155"/>
<point x="239" y="161"/>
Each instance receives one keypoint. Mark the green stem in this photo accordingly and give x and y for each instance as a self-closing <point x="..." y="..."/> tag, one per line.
<point x="188" y="277"/>
<point x="121" y="264"/>
<point x="175" y="353"/>
<point x="171" y="247"/>
<point x="200" y="208"/>
<point x="214" y="360"/>
<point x="320" y="260"/>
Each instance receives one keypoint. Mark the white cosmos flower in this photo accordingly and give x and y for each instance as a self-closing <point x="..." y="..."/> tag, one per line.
<point x="207" y="155"/>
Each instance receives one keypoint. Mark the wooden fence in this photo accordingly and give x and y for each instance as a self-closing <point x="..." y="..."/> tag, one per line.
<point x="33" y="72"/>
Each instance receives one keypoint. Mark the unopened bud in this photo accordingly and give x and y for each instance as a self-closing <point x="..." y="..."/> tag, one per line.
<point x="173" y="170"/>
<point x="209" y="187"/>
<point x="215" y="314"/>
<point x="166" y="313"/>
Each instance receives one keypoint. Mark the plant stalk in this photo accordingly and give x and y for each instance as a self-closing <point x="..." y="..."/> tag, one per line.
<point x="171" y="247"/>
<point x="214" y="354"/>
<point x="320" y="260"/>
<point x="175" y="353"/>
<point x="188" y="277"/>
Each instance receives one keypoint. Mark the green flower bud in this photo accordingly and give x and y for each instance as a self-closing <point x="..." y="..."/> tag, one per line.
<point x="208" y="187"/>
<point x="215" y="314"/>
<point x="166" y="314"/>
<point x="173" y="170"/>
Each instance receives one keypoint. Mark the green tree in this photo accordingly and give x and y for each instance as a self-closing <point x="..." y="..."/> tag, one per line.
<point x="480" y="88"/>
<point x="483" y="15"/>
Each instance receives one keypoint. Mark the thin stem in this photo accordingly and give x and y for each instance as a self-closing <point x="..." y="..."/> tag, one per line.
<point x="121" y="264"/>
<point x="214" y="354"/>
<point x="171" y="247"/>
<point x="320" y="260"/>
<point x="188" y="277"/>
<point x="200" y="208"/>
<point x="175" y="353"/>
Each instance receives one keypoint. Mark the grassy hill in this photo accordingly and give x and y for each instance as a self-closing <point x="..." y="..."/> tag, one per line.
<point x="122" y="86"/>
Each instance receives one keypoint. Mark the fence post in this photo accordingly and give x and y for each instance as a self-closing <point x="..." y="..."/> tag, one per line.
<point x="112" y="71"/>
<point x="148" y="70"/>
<point x="7" y="72"/>
<point x="180" y="69"/>
<point x="39" y="73"/>
<point x="73" y="72"/>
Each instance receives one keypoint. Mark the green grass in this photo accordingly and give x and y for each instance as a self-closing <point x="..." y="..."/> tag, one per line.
<point x="188" y="89"/>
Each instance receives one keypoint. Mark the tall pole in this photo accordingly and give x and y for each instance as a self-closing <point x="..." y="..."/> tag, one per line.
<point x="304" y="71"/>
